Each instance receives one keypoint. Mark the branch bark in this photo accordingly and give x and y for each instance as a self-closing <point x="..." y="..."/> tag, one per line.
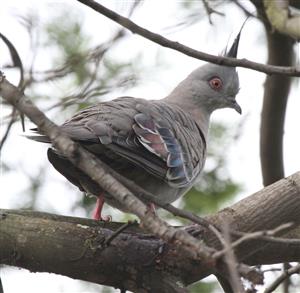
<point x="156" y="38"/>
<point x="31" y="240"/>
<point x="135" y="259"/>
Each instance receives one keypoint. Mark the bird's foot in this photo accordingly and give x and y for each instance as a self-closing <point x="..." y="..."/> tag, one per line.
<point x="151" y="208"/>
<point x="107" y="218"/>
<point x="98" y="210"/>
<point x="97" y="216"/>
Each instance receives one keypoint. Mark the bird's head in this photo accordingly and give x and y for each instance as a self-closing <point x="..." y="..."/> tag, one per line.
<point x="215" y="86"/>
<point x="209" y="87"/>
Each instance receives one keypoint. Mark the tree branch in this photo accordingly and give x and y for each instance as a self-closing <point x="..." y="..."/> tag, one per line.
<point x="12" y="120"/>
<point x="1" y="287"/>
<point x="231" y="261"/>
<point x="30" y="239"/>
<point x="156" y="38"/>
<point x="286" y="274"/>
<point x="131" y="260"/>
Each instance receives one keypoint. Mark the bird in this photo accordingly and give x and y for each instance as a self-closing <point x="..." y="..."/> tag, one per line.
<point x="161" y="144"/>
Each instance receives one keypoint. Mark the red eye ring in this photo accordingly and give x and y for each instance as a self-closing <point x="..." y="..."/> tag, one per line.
<point x="215" y="83"/>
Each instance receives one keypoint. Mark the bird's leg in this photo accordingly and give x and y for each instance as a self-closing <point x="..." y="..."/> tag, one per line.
<point x="151" y="208"/>
<point x="98" y="209"/>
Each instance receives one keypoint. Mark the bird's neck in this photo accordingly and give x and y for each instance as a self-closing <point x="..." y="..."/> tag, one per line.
<point x="185" y="101"/>
<point x="202" y="119"/>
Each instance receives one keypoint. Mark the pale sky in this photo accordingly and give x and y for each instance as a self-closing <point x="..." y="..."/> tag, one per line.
<point x="26" y="156"/>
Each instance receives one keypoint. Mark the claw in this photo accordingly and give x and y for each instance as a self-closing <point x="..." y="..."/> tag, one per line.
<point x="98" y="209"/>
<point x="151" y="208"/>
<point x="107" y="218"/>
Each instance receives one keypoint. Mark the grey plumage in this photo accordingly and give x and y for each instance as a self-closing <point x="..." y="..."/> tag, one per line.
<point x="161" y="145"/>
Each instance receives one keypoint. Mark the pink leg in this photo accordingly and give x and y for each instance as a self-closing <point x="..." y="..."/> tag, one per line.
<point x="151" y="208"/>
<point x="98" y="209"/>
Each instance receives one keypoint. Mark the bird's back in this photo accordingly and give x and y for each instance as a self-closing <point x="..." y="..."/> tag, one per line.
<point x="157" y="145"/>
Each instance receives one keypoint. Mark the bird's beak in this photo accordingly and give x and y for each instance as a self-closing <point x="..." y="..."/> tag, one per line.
<point x="234" y="105"/>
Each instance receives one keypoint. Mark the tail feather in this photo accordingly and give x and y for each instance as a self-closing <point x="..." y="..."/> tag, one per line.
<point x="37" y="137"/>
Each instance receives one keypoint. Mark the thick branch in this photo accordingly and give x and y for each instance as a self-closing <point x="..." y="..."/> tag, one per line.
<point x="156" y="38"/>
<point x="266" y="209"/>
<point x="79" y="246"/>
<point x="133" y="255"/>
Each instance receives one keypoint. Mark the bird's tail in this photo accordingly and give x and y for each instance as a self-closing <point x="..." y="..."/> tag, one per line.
<point x="35" y="135"/>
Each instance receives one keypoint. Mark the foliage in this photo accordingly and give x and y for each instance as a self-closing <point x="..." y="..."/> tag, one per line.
<point x="71" y="43"/>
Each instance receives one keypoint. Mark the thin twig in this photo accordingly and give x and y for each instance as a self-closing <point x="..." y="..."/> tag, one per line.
<point x="231" y="261"/>
<point x="8" y="128"/>
<point x="16" y="62"/>
<point x="287" y="282"/>
<point x="1" y="286"/>
<point x="279" y="240"/>
<point x="247" y="13"/>
<point x="15" y="57"/>
<point x="241" y="269"/>
<point x="266" y="234"/>
<point x="118" y="231"/>
<point x="210" y="10"/>
<point x="156" y="38"/>
<point x="271" y="270"/>
<point x="282" y="277"/>
<point x="218" y="234"/>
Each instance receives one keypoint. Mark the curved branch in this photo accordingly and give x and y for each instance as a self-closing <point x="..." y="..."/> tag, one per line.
<point x="156" y="38"/>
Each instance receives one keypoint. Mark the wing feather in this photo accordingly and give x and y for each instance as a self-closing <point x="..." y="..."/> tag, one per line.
<point x="162" y="139"/>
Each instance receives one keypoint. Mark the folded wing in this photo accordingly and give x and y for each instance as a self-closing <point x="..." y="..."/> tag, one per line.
<point x="160" y="138"/>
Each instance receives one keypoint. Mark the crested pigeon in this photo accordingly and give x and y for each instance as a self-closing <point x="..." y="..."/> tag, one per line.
<point x="159" y="144"/>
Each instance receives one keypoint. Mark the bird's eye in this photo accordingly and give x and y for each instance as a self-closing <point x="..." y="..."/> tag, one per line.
<point x="216" y="83"/>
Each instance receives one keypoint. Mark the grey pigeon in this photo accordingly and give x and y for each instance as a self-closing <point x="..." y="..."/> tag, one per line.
<point x="159" y="144"/>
